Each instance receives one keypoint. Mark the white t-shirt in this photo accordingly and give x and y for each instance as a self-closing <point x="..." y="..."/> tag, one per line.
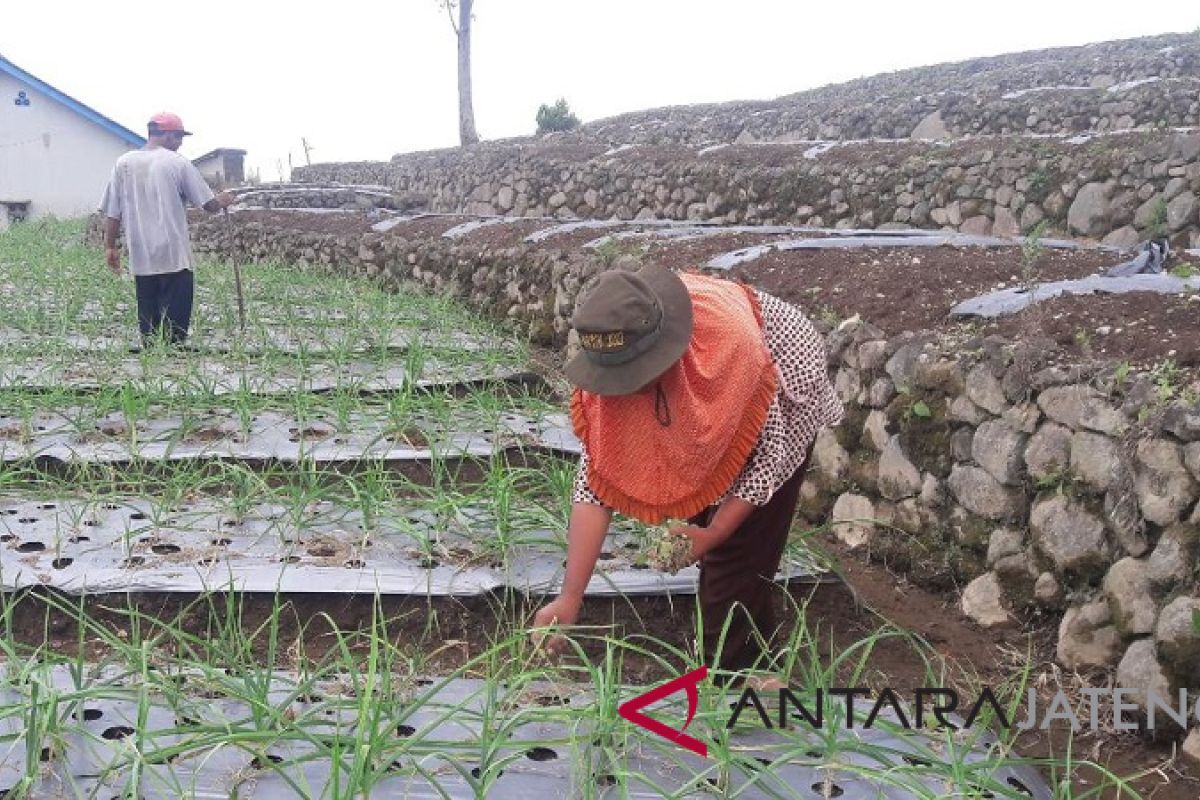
<point x="148" y="192"/>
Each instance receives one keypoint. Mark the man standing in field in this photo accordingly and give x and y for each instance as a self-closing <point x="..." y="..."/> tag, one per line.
<point x="148" y="192"/>
<point x="696" y="399"/>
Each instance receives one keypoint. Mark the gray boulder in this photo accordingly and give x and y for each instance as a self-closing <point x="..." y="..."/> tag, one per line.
<point x="1069" y="535"/>
<point x="1164" y="488"/>
<point x="1177" y="640"/>
<point x="1086" y="638"/>
<point x="1047" y="591"/>
<point x="1004" y="542"/>
<point x="1094" y="459"/>
<point x="981" y="494"/>
<point x="1181" y="211"/>
<point x="1000" y="450"/>
<point x="1079" y="406"/>
<point x="1141" y="672"/>
<point x="853" y="520"/>
<point x="1173" y="559"/>
<point x="984" y="390"/>
<point x="898" y="478"/>
<point x="1127" y="586"/>
<point x="829" y="457"/>
<point x="982" y="601"/>
<point x="1048" y="452"/>
<point x="1090" y="210"/>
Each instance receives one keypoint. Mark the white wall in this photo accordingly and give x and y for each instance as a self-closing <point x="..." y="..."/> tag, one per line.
<point x="51" y="155"/>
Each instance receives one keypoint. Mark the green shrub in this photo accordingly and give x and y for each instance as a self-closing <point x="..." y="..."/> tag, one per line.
<point x="557" y="117"/>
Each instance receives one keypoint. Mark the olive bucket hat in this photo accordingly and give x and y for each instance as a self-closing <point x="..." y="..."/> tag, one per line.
<point x="632" y="326"/>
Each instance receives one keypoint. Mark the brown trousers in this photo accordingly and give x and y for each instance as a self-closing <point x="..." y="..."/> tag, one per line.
<point x="737" y="579"/>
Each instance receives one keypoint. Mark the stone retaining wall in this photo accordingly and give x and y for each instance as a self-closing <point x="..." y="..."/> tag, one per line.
<point x="1120" y="187"/>
<point x="1062" y="109"/>
<point x="315" y="195"/>
<point x="1041" y="489"/>
<point x="1135" y="83"/>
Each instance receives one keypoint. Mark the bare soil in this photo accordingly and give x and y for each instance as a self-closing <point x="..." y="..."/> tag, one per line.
<point x="342" y="223"/>
<point x="994" y="656"/>
<point x="913" y="289"/>
<point x="1142" y="328"/>
<point x="505" y="234"/>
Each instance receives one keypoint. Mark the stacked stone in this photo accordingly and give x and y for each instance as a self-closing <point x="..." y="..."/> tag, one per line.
<point x="1043" y="488"/>
<point x="1119" y="188"/>
<point x="1137" y="83"/>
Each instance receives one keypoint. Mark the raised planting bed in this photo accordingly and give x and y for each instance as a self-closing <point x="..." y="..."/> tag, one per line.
<point x="510" y="533"/>
<point x="201" y="730"/>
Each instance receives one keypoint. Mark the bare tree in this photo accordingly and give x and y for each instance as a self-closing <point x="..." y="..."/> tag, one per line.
<point x="462" y="29"/>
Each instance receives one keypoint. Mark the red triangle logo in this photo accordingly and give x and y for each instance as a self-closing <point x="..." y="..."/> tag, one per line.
<point x="632" y="710"/>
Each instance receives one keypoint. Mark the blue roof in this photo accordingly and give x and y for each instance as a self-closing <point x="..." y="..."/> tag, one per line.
<point x="79" y="108"/>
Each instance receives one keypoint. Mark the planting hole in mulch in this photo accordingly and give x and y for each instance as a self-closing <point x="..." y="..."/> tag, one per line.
<point x="117" y="732"/>
<point x="541" y="754"/>
<point x="410" y="437"/>
<point x="206" y="435"/>
<point x="309" y="434"/>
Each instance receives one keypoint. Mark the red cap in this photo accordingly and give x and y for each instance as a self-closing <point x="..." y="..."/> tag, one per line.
<point x="165" y="121"/>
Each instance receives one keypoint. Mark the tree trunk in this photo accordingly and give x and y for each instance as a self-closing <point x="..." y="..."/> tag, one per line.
<point x="466" y="112"/>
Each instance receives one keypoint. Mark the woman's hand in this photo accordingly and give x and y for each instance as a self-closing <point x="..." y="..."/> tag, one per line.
<point x="703" y="539"/>
<point x="724" y="523"/>
<point x="559" y="613"/>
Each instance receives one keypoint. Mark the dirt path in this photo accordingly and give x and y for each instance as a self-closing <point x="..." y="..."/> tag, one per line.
<point x="995" y="656"/>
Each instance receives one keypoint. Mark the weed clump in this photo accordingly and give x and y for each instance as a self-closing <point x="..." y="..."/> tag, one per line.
<point x="669" y="552"/>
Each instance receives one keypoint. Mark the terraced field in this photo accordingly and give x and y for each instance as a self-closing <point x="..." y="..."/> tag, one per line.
<point x="183" y="531"/>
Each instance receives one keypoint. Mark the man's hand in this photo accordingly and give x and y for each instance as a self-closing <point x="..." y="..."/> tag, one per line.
<point x="220" y="202"/>
<point x="558" y="613"/>
<point x="112" y="255"/>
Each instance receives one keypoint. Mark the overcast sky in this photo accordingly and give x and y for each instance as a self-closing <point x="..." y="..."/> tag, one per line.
<point x="364" y="80"/>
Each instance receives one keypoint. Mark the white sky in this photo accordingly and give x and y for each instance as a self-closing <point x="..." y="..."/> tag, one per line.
<point x="364" y="80"/>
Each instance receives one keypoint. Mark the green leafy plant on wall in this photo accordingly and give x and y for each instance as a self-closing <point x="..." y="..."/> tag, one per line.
<point x="557" y="117"/>
<point x="1158" y="220"/>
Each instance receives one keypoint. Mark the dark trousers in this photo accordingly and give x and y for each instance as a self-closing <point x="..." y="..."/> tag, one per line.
<point x="165" y="305"/>
<point x="737" y="579"/>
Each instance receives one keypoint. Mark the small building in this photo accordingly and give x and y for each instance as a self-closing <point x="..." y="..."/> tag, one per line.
<point x="56" y="154"/>
<point x="222" y="167"/>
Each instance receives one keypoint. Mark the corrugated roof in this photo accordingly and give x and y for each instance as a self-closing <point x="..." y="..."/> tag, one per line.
<point x="88" y="113"/>
<point x="220" y="151"/>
